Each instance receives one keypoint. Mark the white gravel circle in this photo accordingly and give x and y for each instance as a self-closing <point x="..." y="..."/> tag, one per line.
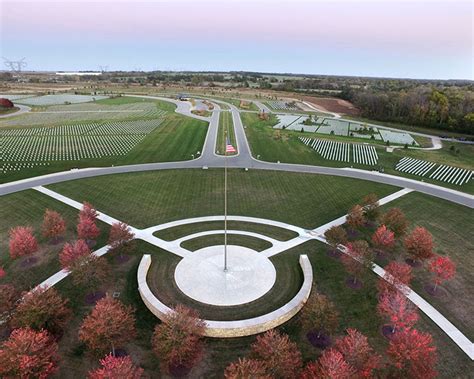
<point x="201" y="275"/>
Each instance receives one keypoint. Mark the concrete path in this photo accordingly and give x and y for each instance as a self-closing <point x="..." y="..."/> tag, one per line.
<point x="279" y="246"/>
<point x="21" y="109"/>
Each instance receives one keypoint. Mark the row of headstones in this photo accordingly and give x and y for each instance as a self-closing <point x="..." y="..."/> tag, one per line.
<point x="340" y="151"/>
<point x="444" y="173"/>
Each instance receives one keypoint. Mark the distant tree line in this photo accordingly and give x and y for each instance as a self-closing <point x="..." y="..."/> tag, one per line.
<point x="448" y="108"/>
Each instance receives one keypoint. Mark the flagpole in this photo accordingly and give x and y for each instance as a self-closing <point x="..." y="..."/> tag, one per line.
<point x="225" y="201"/>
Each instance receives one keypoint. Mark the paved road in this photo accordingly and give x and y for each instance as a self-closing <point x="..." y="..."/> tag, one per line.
<point x="244" y="159"/>
<point x="22" y="109"/>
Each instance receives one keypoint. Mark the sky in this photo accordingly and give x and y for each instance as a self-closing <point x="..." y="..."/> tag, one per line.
<point x="404" y="38"/>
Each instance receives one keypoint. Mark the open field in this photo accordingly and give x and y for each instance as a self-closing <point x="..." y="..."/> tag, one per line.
<point x="284" y="145"/>
<point x="176" y="138"/>
<point x="226" y="128"/>
<point x="301" y="199"/>
<point x="59" y="99"/>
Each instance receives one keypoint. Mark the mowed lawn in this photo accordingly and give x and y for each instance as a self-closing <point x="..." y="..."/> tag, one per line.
<point x="150" y="198"/>
<point x="226" y="128"/>
<point x="274" y="145"/>
<point x="452" y="226"/>
<point x="27" y="209"/>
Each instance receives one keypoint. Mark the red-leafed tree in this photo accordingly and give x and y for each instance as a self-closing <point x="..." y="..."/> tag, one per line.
<point x="442" y="268"/>
<point x="116" y="368"/>
<point x="419" y="244"/>
<point x="246" y="368"/>
<point x="358" y="260"/>
<point x="331" y="365"/>
<point x="319" y="314"/>
<point x="120" y="235"/>
<point x="88" y="211"/>
<point x="28" y="354"/>
<point x="90" y="272"/>
<point x="356" y="217"/>
<point x="8" y="298"/>
<point x="110" y="324"/>
<point x="53" y="226"/>
<point x="71" y="252"/>
<point x="383" y="238"/>
<point x="281" y="357"/>
<point x="400" y="311"/>
<point x="87" y="229"/>
<point x="396" y="221"/>
<point x="2" y="272"/>
<point x="177" y="341"/>
<point x="370" y="203"/>
<point x="22" y="242"/>
<point x="335" y="235"/>
<point x="42" y="308"/>
<point x="397" y="277"/>
<point x="413" y="354"/>
<point x="358" y="353"/>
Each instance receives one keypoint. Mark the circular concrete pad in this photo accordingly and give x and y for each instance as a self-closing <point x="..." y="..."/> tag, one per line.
<point x="201" y="275"/>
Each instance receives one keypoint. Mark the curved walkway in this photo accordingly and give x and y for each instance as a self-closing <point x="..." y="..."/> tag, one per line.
<point x="21" y="109"/>
<point x="236" y="328"/>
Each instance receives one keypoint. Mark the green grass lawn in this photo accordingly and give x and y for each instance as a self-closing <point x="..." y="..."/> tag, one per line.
<point x="451" y="226"/>
<point x="226" y="127"/>
<point x="27" y="209"/>
<point x="253" y="243"/>
<point x="176" y="139"/>
<point x="151" y="198"/>
<point x="271" y="231"/>
<point x="119" y="100"/>
<point x="274" y="145"/>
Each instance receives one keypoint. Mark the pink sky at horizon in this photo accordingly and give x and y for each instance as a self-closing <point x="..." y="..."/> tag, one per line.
<point x="415" y="30"/>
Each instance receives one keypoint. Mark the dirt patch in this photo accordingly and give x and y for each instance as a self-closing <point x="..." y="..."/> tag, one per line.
<point x="332" y="104"/>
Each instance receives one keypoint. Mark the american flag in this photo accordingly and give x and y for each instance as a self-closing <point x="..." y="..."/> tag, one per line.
<point x="228" y="147"/>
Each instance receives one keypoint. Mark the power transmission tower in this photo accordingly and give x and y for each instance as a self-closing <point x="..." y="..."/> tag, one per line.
<point x="104" y="69"/>
<point x="15" y="66"/>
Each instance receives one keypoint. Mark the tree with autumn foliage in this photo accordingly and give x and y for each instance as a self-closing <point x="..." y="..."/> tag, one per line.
<point x="319" y="314"/>
<point x="246" y="368"/>
<point x="177" y="341"/>
<point x="8" y="298"/>
<point x="335" y="235"/>
<point x="87" y="229"/>
<point x="358" y="260"/>
<point x="398" y="309"/>
<point x="42" y="308"/>
<point x="116" y="368"/>
<point x="371" y="206"/>
<point x="2" y="272"/>
<point x="396" y="221"/>
<point x="413" y="354"/>
<point x="383" y="238"/>
<point x="397" y="277"/>
<point x="53" y="226"/>
<point x="22" y="242"/>
<point x="331" y="365"/>
<point x="89" y="271"/>
<point x="72" y="252"/>
<point x="28" y="354"/>
<point x="110" y="324"/>
<point x="278" y="353"/>
<point x="120" y="236"/>
<point x="88" y="211"/>
<point x="356" y="217"/>
<point x="356" y="350"/>
<point x="442" y="268"/>
<point x="419" y="244"/>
